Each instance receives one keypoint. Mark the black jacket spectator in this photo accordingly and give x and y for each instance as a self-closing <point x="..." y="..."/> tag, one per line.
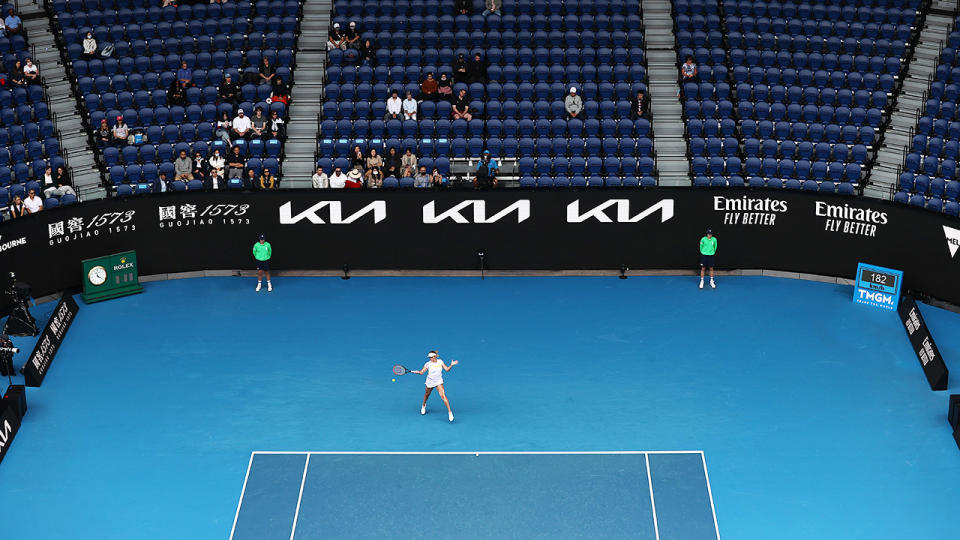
<point x="477" y="70"/>
<point x="392" y="164"/>
<point x="368" y="52"/>
<point x="176" y="95"/>
<point x="228" y="92"/>
<point x="639" y="107"/>
<point x="460" y="73"/>
<point x="464" y="7"/>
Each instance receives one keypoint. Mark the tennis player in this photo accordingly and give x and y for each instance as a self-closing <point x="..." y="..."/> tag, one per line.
<point x="434" y="369"/>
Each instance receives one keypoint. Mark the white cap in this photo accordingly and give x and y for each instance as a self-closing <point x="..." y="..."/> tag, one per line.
<point x="240" y="111"/>
<point x="336" y="25"/>
<point x="573" y="89"/>
<point x="432" y="355"/>
<point x="352" y="24"/>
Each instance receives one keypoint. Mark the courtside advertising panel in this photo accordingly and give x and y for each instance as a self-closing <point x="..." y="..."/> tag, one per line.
<point x="923" y="345"/>
<point x="50" y="341"/>
<point x="9" y="424"/>
<point x="877" y="286"/>
<point x="516" y="229"/>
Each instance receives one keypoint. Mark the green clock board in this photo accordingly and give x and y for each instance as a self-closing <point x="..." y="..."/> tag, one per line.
<point x="110" y="276"/>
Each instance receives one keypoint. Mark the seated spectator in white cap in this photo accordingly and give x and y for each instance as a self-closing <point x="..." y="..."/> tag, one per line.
<point x="573" y="103"/>
<point x="335" y="39"/>
<point x="351" y="36"/>
<point x="354" y="178"/>
<point x="241" y="126"/>
<point x="409" y="107"/>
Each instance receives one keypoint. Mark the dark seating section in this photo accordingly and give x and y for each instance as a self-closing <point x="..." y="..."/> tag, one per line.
<point x="789" y="94"/>
<point x="535" y="52"/>
<point x="28" y="142"/>
<point x="930" y="178"/>
<point x="150" y="42"/>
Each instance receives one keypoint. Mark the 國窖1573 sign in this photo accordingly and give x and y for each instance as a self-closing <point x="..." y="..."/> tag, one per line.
<point x="877" y="286"/>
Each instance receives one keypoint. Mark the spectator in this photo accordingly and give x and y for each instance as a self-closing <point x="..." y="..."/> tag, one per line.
<point x="460" y="74"/>
<point x="464" y="7"/>
<point x="17" y="208"/>
<point x="258" y="125"/>
<point x="375" y="179"/>
<point x="223" y="128"/>
<point x="409" y="107"/>
<point x="33" y="203"/>
<point x="241" y="126"/>
<point x="444" y="90"/>
<point x="120" y="132"/>
<point x="688" y="71"/>
<point x="104" y="135"/>
<point x="89" y="46"/>
<point x="320" y="179"/>
<point x="354" y="178"/>
<point x="217" y="162"/>
<point x="214" y="180"/>
<point x="176" y="95"/>
<point x="235" y="164"/>
<point x="477" y="70"/>
<point x="228" y="92"/>
<point x="356" y="158"/>
<point x="394" y="107"/>
<point x="169" y="3"/>
<point x="487" y="171"/>
<point x="573" y="104"/>
<point x="58" y="182"/>
<point x="338" y="180"/>
<point x="182" y="167"/>
<point x="493" y="7"/>
<point x="12" y="22"/>
<point x="276" y="125"/>
<point x="407" y="172"/>
<point x="437" y="180"/>
<point x="409" y="161"/>
<point x="351" y="37"/>
<point x="638" y="106"/>
<point x="392" y="165"/>
<point x="335" y="39"/>
<point x="267" y="180"/>
<point x="184" y="75"/>
<point x="422" y="179"/>
<point x="266" y="71"/>
<point x="199" y="170"/>
<point x="3" y="27"/>
<point x="16" y="75"/>
<point x="250" y="180"/>
<point x="280" y="93"/>
<point x="461" y="107"/>
<point x="428" y="88"/>
<point x="374" y="161"/>
<point x="30" y="71"/>
<point x="368" y="52"/>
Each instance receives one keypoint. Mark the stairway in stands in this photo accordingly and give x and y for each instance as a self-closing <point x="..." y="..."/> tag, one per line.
<point x="303" y="128"/>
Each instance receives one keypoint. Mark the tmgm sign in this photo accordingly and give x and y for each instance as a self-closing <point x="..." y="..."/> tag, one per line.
<point x="877" y="286"/>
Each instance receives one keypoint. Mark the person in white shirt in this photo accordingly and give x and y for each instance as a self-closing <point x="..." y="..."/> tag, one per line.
<point x="338" y="180"/>
<point x="241" y="126"/>
<point x="33" y="203"/>
<point x="320" y="180"/>
<point x="394" y="107"/>
<point x="217" y="162"/>
<point x="434" y="369"/>
<point x="409" y="107"/>
<point x="31" y="72"/>
<point x="89" y="45"/>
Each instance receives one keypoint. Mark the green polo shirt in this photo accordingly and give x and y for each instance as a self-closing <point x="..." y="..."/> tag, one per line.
<point x="708" y="245"/>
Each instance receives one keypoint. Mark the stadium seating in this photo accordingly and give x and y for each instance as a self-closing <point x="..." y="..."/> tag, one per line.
<point x="534" y="52"/>
<point x="150" y="42"/>
<point x="930" y="178"/>
<point x="28" y="142"/>
<point x="788" y="91"/>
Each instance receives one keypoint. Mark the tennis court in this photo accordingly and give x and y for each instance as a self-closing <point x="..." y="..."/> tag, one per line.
<point x="645" y="495"/>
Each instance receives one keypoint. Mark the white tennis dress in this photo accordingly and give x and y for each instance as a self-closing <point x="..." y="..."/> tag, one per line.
<point x="434" y="373"/>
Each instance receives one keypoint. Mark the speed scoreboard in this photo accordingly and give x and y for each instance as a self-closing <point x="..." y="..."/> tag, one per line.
<point x="877" y="286"/>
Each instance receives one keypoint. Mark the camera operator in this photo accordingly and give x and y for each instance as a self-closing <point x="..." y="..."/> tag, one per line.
<point x="487" y="171"/>
<point x="7" y="350"/>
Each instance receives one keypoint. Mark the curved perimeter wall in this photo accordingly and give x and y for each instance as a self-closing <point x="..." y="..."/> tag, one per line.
<point x="518" y="230"/>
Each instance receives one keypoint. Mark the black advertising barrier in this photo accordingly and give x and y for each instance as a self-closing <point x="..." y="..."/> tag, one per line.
<point x="50" y="340"/>
<point x="9" y="425"/>
<point x="953" y="412"/>
<point x="923" y="345"/>
<point x="517" y="229"/>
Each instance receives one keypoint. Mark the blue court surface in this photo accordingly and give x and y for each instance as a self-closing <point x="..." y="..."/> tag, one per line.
<point x="489" y="495"/>
<point x="810" y="412"/>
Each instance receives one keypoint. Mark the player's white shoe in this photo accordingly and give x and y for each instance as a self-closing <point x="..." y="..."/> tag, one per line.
<point x="712" y="284"/>
<point x="259" y="285"/>
<point x="270" y="286"/>
<point x="450" y="415"/>
<point x="701" y="284"/>
<point x="423" y="410"/>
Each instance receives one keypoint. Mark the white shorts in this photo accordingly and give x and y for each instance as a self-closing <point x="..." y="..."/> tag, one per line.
<point x="434" y="384"/>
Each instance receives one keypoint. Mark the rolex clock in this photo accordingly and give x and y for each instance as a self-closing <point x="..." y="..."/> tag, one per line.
<point x="110" y="276"/>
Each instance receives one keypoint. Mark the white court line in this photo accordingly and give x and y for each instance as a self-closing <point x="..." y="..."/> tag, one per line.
<point x="242" y="491"/>
<point x="653" y="505"/>
<point x="296" y="515"/>
<point x="600" y="452"/>
<point x="713" y="509"/>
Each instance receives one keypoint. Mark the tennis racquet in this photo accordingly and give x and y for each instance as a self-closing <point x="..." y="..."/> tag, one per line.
<point x="400" y="370"/>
